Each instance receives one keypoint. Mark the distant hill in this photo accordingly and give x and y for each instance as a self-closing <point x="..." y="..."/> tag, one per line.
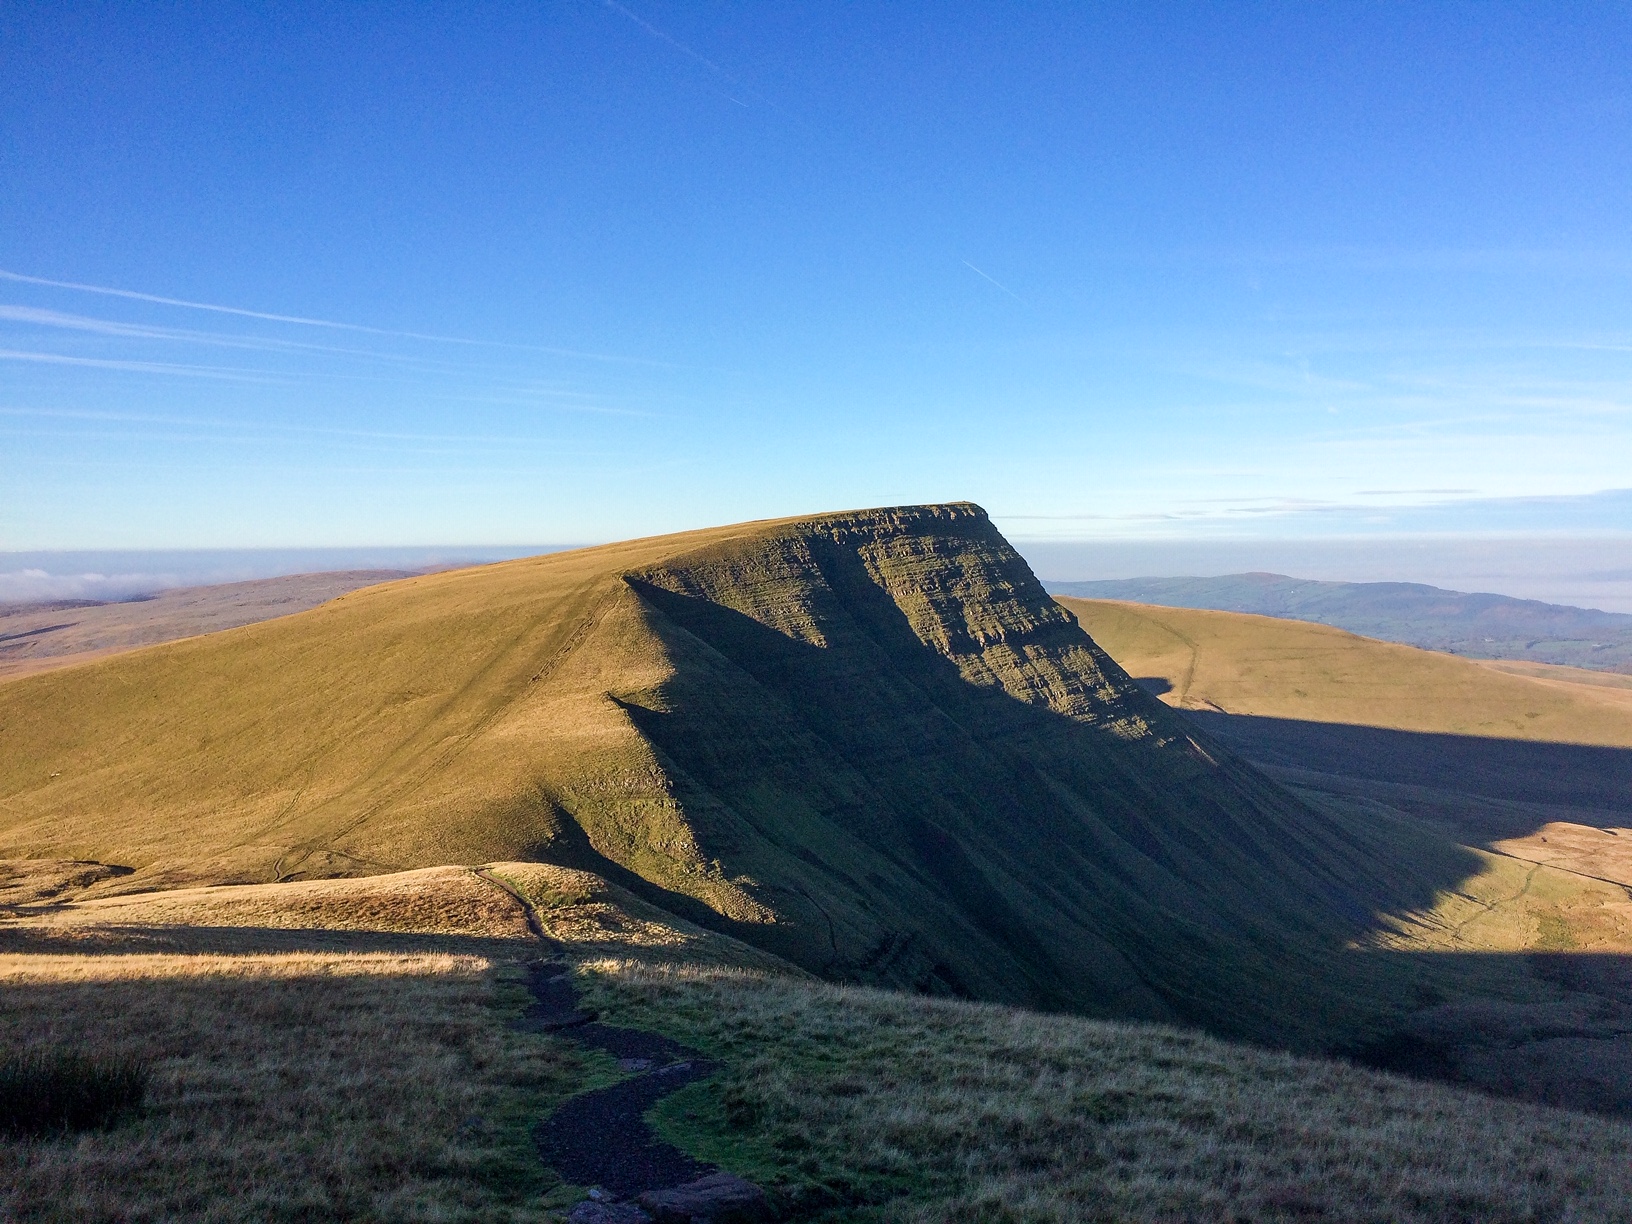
<point x="1475" y="625"/>
<point x="40" y="636"/>
<point x="868" y="742"/>
<point x="1248" y="665"/>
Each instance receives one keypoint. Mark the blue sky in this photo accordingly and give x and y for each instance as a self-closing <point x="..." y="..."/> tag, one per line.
<point x="573" y="271"/>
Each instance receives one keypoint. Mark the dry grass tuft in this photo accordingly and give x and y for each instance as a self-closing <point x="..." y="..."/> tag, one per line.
<point x="936" y="1110"/>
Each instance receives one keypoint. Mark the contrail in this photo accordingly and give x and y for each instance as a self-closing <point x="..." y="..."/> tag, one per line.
<point x="995" y="281"/>
<point x="231" y="310"/>
<point x="302" y="321"/>
<point x="680" y="47"/>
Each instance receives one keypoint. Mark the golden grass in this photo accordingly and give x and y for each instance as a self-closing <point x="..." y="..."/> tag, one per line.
<point x="931" y="1110"/>
<point x="345" y="1079"/>
<point x="482" y="908"/>
<point x="296" y="1086"/>
<point x="42" y="639"/>
<point x="592" y="918"/>
<point x="365" y="1073"/>
<point x="463" y="716"/>
<point x="1243" y="664"/>
<point x="1562" y="887"/>
<point x="400" y="724"/>
<point x="1517" y="904"/>
<point x="432" y="900"/>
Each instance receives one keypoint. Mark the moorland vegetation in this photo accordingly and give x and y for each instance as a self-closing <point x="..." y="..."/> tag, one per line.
<point x="849" y="805"/>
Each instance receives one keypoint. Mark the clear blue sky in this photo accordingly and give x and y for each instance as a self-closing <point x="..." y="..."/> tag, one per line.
<point x="606" y="270"/>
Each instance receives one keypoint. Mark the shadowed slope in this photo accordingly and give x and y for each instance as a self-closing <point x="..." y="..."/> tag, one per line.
<point x="866" y="742"/>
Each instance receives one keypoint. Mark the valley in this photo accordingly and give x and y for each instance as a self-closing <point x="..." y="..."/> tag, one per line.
<point x="1531" y="776"/>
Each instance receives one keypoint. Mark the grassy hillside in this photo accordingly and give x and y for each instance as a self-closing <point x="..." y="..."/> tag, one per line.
<point x="1268" y="667"/>
<point x="934" y="1110"/>
<point x="868" y="743"/>
<point x="344" y="1049"/>
<point x="41" y="636"/>
<point x="1476" y="625"/>
<point x="1539" y="929"/>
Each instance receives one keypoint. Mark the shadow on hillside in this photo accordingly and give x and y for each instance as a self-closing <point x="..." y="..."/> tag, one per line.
<point x="1580" y="783"/>
<point x="183" y="939"/>
<point x="1549" y="1027"/>
<point x="1552" y="1027"/>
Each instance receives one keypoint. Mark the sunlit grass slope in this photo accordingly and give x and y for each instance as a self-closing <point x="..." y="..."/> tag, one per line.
<point x="866" y="742"/>
<point x="1244" y="664"/>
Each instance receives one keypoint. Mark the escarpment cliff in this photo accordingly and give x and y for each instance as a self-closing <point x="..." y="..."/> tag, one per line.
<point x="868" y="742"/>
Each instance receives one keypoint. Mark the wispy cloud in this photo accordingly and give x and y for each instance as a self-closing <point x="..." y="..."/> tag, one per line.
<point x="268" y="428"/>
<point x="331" y="324"/>
<point x="140" y="367"/>
<point x="39" y="317"/>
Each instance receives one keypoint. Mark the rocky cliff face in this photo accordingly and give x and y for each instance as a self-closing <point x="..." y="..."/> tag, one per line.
<point x="914" y="768"/>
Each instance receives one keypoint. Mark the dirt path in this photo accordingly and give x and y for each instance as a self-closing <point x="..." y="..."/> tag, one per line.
<point x="600" y="1138"/>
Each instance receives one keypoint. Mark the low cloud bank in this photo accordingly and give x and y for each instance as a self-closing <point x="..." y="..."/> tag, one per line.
<point x="116" y="575"/>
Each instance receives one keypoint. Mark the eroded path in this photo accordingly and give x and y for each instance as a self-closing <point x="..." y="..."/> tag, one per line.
<point x="600" y="1138"/>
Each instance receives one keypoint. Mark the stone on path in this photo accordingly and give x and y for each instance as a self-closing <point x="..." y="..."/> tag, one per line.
<point x="591" y="1212"/>
<point x="719" y="1198"/>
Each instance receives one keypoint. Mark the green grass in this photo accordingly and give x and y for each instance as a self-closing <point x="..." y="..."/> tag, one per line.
<point x="886" y="1106"/>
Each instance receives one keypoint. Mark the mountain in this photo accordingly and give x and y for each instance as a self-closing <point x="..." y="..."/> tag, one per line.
<point x="1479" y="626"/>
<point x="866" y="742"/>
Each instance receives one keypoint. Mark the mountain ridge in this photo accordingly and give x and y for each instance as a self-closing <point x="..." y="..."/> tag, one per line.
<point x="1475" y="624"/>
<point x="866" y="742"/>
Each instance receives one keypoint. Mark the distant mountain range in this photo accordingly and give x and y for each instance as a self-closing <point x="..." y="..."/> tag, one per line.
<point x="1476" y="625"/>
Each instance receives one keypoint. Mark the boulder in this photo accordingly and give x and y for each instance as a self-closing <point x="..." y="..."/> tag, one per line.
<point x="719" y="1198"/>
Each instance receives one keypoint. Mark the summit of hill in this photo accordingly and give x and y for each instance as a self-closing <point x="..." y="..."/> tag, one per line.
<point x="866" y="742"/>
